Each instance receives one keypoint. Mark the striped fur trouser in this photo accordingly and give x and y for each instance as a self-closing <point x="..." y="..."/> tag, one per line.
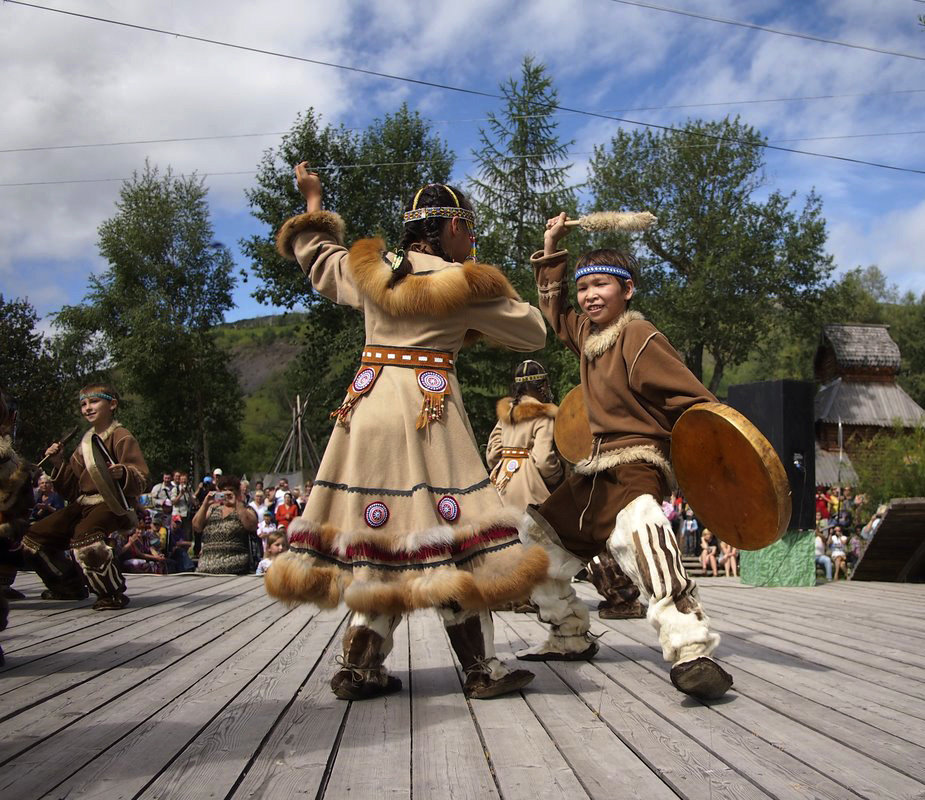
<point x="646" y="549"/>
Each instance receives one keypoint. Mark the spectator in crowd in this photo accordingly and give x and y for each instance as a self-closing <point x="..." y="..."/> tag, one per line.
<point x="868" y="531"/>
<point x="297" y="498"/>
<point x="245" y="491"/>
<point x="47" y="500"/>
<point x="162" y="492"/>
<point x="178" y="551"/>
<point x="136" y="554"/>
<point x="838" y="552"/>
<point x="265" y="527"/>
<point x="259" y="504"/>
<point x="708" y="548"/>
<point x="822" y="560"/>
<point x="205" y="487"/>
<point x="276" y="544"/>
<point x="286" y="511"/>
<point x="307" y="490"/>
<point x="689" y="528"/>
<point x="670" y="513"/>
<point x="855" y="548"/>
<point x="183" y="504"/>
<point x="226" y="524"/>
<point x="729" y="559"/>
<point x="282" y="486"/>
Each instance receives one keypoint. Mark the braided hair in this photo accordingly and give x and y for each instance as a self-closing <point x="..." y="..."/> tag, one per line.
<point x="539" y="387"/>
<point x="428" y="230"/>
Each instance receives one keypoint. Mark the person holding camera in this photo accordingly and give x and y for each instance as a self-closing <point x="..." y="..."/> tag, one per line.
<point x="226" y="524"/>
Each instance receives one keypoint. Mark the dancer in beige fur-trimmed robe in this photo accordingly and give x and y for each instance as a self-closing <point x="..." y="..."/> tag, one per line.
<point x="521" y="453"/>
<point x="402" y="514"/>
<point x="636" y="387"/>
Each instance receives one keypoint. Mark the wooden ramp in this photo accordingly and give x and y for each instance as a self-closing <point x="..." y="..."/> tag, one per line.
<point x="204" y="688"/>
<point x="897" y="550"/>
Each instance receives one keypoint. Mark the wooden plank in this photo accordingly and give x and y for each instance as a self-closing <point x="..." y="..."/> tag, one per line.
<point x="69" y="631"/>
<point x="683" y="762"/>
<point x="88" y="755"/>
<point x="771" y="748"/>
<point x="211" y="763"/>
<point x="526" y="760"/>
<point x="605" y="766"/>
<point x="22" y="686"/>
<point x="448" y="759"/>
<point x="373" y="758"/>
<point x="135" y="678"/>
<point x="294" y="760"/>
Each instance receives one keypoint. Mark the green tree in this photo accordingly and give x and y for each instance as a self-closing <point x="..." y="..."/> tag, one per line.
<point x="891" y="464"/>
<point x="167" y="284"/>
<point x="35" y="375"/>
<point x="520" y="182"/>
<point x="722" y="267"/>
<point x="403" y="154"/>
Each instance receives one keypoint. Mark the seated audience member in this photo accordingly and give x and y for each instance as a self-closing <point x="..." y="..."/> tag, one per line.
<point x="276" y="544"/>
<point x="822" y="560"/>
<point x="838" y="552"/>
<point x="708" y="548"/>
<point x="226" y="524"/>
<point x="47" y="500"/>
<point x="286" y="511"/>
<point x="729" y="559"/>
<point x="855" y="548"/>
<point x="137" y="556"/>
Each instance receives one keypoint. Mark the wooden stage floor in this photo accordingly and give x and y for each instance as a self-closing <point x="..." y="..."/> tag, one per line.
<point x="204" y="688"/>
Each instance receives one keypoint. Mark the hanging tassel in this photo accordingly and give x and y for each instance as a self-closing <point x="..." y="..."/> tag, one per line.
<point x="362" y="382"/>
<point x="434" y="386"/>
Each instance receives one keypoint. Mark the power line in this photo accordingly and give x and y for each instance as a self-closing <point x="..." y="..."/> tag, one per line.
<point x="777" y="31"/>
<point x="462" y="90"/>
<point x="176" y="139"/>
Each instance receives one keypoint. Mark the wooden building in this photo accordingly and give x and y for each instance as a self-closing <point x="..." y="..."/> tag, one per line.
<point x="856" y="367"/>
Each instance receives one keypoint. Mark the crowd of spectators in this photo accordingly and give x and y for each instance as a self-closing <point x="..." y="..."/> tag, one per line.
<point x="841" y="533"/>
<point x="220" y="526"/>
<point x="699" y="542"/>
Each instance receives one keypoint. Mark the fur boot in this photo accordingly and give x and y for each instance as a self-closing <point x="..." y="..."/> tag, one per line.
<point x="621" y="597"/>
<point x="59" y="573"/>
<point x="556" y="601"/>
<point x="362" y="675"/>
<point x="472" y="637"/>
<point x="103" y="576"/>
<point x="646" y="549"/>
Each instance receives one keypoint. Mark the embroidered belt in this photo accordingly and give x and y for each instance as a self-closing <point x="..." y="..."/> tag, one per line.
<point x="509" y="464"/>
<point x="431" y="368"/>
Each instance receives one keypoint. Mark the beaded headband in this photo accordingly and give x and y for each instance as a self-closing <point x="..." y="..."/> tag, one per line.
<point x="100" y="395"/>
<point x="527" y="378"/>
<point x="607" y="269"/>
<point x="446" y="212"/>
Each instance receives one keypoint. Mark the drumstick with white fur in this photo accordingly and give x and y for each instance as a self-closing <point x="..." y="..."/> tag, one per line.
<point x="613" y="221"/>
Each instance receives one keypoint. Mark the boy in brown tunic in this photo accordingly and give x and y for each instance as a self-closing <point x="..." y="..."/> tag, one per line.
<point x="85" y="523"/>
<point x="635" y="387"/>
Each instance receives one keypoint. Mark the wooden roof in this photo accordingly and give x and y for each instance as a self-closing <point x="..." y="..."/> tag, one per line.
<point x="855" y="403"/>
<point x="856" y="345"/>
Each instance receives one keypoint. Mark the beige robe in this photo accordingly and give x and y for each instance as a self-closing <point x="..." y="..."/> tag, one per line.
<point x="418" y="557"/>
<point x="528" y="425"/>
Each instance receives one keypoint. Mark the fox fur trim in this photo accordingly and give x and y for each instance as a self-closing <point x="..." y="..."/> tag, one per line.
<point x="524" y="410"/>
<point x="489" y="579"/>
<point x="434" y="294"/>
<point x="326" y="222"/>
<point x="626" y="455"/>
<point x="600" y="342"/>
<point x="14" y="473"/>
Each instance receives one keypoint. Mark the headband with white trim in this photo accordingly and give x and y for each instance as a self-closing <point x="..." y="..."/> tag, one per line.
<point x="607" y="269"/>
<point x="527" y="378"/>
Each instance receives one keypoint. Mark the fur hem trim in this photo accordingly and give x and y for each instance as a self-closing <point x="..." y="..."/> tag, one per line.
<point x="326" y="222"/>
<point x="526" y="409"/>
<point x="626" y="455"/>
<point x="496" y="578"/>
<point x="600" y="342"/>
<point x="435" y="294"/>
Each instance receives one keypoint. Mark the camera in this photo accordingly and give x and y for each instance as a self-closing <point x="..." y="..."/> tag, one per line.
<point x="218" y="497"/>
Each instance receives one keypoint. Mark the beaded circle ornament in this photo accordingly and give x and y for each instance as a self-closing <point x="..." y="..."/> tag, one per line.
<point x="431" y="381"/>
<point x="377" y="514"/>
<point x="448" y="508"/>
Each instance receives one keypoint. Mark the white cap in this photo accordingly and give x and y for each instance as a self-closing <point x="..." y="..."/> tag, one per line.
<point x="216" y="471"/>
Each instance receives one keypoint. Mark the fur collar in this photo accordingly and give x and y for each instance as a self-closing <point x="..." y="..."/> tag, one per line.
<point x="104" y="435"/>
<point x="600" y="342"/>
<point x="526" y="409"/>
<point x="438" y="293"/>
<point x="326" y="222"/>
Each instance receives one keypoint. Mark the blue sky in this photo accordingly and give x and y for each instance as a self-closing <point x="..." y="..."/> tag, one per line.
<point x="71" y="81"/>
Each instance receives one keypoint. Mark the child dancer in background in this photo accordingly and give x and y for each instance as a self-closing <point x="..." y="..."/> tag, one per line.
<point x="402" y="514"/>
<point x="521" y="452"/>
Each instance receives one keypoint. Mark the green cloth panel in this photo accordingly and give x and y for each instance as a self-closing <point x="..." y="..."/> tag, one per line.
<point x="790" y="561"/>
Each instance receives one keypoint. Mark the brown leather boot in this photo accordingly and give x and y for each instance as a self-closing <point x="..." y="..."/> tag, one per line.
<point x="485" y="677"/>
<point x="607" y="609"/>
<point x="702" y="678"/>
<point x="59" y="573"/>
<point x="362" y="676"/>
